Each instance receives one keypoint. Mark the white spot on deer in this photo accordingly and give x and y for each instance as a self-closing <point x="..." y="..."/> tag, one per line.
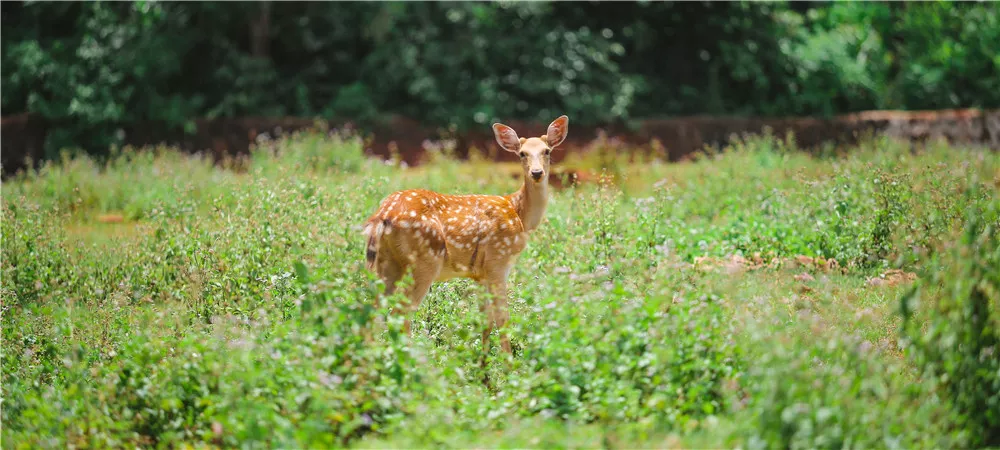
<point x="413" y="214"/>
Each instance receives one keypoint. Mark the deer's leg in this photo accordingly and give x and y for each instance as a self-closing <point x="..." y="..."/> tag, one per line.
<point x="390" y="273"/>
<point x="423" y="256"/>
<point x="496" y="310"/>
<point x="424" y="274"/>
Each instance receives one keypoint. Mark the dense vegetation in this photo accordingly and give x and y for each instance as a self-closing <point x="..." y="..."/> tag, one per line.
<point x="758" y="297"/>
<point x="95" y="69"/>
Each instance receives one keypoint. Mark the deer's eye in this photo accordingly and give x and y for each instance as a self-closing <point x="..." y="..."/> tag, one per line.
<point x="548" y="151"/>
<point x="522" y="154"/>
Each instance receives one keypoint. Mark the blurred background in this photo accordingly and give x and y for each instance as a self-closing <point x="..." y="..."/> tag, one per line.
<point x="762" y="296"/>
<point x="90" y="75"/>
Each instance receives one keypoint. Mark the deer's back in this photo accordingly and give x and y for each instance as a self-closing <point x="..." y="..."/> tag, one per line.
<point x="476" y="231"/>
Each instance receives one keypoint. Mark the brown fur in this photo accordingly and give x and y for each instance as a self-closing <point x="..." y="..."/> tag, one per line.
<point x="438" y="237"/>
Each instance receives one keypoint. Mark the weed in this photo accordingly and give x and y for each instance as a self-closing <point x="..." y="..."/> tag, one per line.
<point x="721" y="302"/>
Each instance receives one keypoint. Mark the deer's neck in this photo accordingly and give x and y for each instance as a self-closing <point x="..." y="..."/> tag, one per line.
<point x="530" y="202"/>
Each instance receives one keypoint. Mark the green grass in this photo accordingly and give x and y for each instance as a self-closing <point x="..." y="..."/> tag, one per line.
<point x="227" y="309"/>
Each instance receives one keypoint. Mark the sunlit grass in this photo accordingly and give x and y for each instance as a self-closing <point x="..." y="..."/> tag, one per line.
<point x="724" y="301"/>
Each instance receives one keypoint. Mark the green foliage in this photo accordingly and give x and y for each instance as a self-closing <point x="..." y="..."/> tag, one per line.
<point x="853" y="56"/>
<point x="230" y="307"/>
<point x="836" y="395"/>
<point x="452" y="66"/>
<point x="310" y="151"/>
<point x="610" y="366"/>
<point x="840" y="60"/>
<point x="107" y="66"/>
<point x="311" y="382"/>
<point x="957" y="335"/>
<point x="943" y="48"/>
<point x="96" y="70"/>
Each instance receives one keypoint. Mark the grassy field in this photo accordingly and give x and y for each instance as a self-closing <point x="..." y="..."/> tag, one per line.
<point x="756" y="297"/>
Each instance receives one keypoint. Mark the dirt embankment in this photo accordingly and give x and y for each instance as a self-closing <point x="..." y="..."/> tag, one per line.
<point x="23" y="135"/>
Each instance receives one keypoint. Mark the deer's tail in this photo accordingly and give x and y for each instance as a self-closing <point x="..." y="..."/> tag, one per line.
<point x="374" y="230"/>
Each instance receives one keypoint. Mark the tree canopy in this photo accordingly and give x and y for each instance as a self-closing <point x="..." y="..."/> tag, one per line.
<point x="92" y="68"/>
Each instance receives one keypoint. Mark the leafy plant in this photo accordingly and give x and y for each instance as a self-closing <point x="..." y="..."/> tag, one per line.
<point x="155" y="299"/>
<point x="956" y="336"/>
<point x="108" y="73"/>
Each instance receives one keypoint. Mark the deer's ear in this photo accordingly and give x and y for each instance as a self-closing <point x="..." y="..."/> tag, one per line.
<point x="557" y="131"/>
<point x="506" y="137"/>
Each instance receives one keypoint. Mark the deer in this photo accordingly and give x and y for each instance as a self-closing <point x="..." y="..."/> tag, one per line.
<point x="437" y="237"/>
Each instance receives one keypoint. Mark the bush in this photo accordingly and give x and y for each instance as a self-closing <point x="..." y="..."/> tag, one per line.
<point x="311" y="381"/>
<point x="230" y="310"/>
<point x="92" y="69"/>
<point x="837" y="394"/>
<point x="312" y="151"/>
<point x="956" y="330"/>
<point x="616" y="368"/>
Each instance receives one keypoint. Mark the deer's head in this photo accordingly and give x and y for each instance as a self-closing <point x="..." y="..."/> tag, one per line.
<point x="535" y="152"/>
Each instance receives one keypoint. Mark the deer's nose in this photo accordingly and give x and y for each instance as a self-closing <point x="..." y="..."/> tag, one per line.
<point x="537" y="174"/>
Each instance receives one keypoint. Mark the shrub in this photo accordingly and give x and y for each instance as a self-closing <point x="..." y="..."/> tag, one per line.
<point x="230" y="312"/>
<point x="311" y="381"/>
<point x="956" y="331"/>
<point x="317" y="151"/>
<point x="658" y="361"/>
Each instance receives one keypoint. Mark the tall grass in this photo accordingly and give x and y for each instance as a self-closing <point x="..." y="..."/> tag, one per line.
<point x="746" y="298"/>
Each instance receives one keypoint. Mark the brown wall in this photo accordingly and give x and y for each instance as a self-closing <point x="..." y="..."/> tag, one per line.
<point x="23" y="135"/>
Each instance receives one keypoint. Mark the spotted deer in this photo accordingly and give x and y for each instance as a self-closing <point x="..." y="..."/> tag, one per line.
<point x="441" y="237"/>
